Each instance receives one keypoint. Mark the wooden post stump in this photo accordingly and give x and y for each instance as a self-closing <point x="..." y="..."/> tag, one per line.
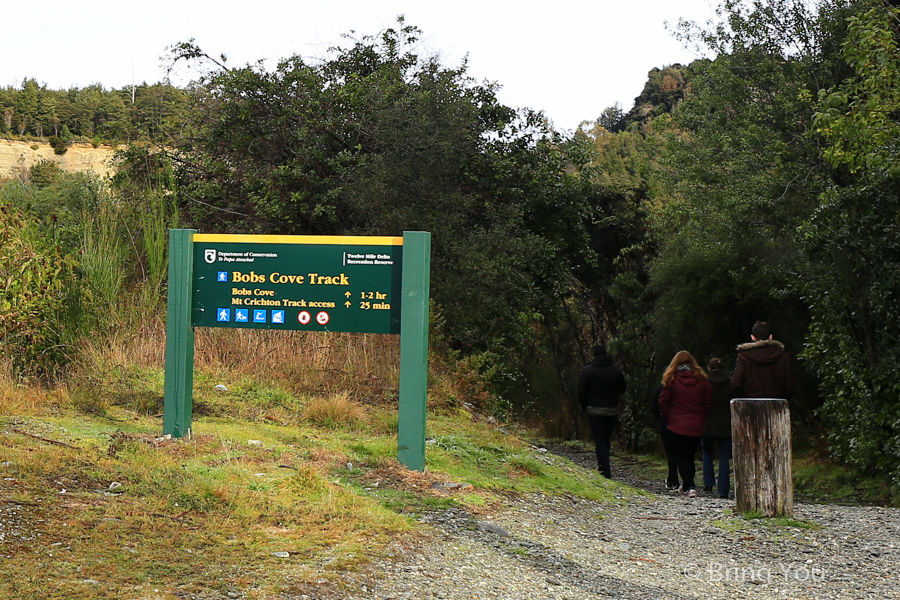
<point x="761" y="437"/>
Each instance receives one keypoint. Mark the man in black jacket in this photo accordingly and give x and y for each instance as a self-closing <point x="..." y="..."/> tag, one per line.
<point x="600" y="390"/>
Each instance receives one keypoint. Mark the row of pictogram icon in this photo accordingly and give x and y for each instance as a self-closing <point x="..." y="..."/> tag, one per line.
<point x="242" y="315"/>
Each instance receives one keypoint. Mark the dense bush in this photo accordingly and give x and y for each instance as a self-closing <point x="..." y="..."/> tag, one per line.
<point x="36" y="287"/>
<point x="59" y="146"/>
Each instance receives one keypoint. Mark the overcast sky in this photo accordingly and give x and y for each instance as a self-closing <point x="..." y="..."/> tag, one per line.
<point x="569" y="59"/>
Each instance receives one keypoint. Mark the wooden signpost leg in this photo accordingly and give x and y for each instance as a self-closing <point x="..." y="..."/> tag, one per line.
<point x="761" y="434"/>
<point x="414" y="349"/>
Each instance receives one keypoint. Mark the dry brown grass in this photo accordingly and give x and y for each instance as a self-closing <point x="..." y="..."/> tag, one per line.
<point x="307" y="364"/>
<point x="366" y="366"/>
<point x="17" y="398"/>
<point x="145" y="348"/>
<point x="334" y="411"/>
<point x="272" y="376"/>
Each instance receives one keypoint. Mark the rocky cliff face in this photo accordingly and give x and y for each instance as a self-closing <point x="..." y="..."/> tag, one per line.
<point x="17" y="157"/>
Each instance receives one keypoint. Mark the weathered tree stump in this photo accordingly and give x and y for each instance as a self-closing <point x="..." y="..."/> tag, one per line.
<point x="761" y="437"/>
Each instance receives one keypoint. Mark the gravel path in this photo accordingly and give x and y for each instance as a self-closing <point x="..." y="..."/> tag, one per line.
<point x="647" y="547"/>
<point x="656" y="546"/>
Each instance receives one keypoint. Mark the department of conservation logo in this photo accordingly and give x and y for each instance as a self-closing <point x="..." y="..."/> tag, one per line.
<point x="209" y="255"/>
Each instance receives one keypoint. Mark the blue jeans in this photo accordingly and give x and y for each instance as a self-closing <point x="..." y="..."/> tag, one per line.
<point x="709" y="471"/>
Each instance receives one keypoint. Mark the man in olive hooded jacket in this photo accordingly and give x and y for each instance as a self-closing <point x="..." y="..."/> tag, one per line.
<point x="763" y="368"/>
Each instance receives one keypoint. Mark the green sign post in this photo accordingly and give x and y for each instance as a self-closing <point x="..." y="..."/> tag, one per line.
<point x="414" y="350"/>
<point x="179" y="385"/>
<point x="364" y="284"/>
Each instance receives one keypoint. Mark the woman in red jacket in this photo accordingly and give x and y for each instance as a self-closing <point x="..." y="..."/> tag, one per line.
<point x="685" y="399"/>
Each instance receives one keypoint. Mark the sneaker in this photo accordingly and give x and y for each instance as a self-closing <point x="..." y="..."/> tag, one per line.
<point x="671" y="487"/>
<point x="692" y="493"/>
<point x="707" y="488"/>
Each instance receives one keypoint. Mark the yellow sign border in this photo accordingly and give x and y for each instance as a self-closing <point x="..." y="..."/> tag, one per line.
<point x="344" y="240"/>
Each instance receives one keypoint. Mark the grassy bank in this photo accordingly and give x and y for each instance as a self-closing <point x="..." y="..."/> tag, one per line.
<point x="290" y="476"/>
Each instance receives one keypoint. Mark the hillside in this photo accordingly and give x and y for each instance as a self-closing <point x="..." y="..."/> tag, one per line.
<point x="16" y="157"/>
<point x="277" y="494"/>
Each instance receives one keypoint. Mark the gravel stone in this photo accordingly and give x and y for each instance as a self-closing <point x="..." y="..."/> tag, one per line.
<point x="661" y="546"/>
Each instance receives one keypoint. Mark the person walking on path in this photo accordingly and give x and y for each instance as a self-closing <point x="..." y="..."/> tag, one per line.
<point x="763" y="368"/>
<point x="717" y="431"/>
<point x="685" y="400"/>
<point x="665" y="436"/>
<point x="600" y="389"/>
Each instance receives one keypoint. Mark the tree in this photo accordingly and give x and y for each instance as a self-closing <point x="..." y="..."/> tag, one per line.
<point x="851" y="239"/>
<point x="45" y="115"/>
<point x="86" y="109"/>
<point x="376" y="140"/>
<point x="611" y="117"/>
<point x="858" y="117"/>
<point x="158" y="111"/>
<point x="26" y="103"/>
<point x="748" y="171"/>
<point x="43" y="173"/>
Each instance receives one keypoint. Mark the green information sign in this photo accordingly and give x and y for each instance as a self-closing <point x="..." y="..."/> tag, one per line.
<point x="312" y="283"/>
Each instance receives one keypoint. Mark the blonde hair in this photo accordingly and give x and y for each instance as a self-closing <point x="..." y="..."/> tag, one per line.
<point x="683" y="357"/>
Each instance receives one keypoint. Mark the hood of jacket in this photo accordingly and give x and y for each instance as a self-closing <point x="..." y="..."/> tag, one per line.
<point x="719" y="377"/>
<point x="762" y="352"/>
<point x="687" y="378"/>
<point x="604" y="360"/>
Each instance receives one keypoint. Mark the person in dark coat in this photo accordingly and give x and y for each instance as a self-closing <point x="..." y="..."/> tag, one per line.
<point x="665" y="436"/>
<point x="717" y="430"/>
<point x="763" y="368"/>
<point x="684" y="402"/>
<point x="600" y="389"/>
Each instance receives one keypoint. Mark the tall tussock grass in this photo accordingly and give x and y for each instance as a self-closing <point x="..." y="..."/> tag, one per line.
<point x="333" y="411"/>
<point x="281" y="376"/>
<point x="366" y="366"/>
<point x="17" y="398"/>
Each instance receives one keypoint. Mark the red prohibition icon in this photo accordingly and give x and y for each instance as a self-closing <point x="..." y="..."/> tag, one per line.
<point x="322" y="318"/>
<point x="303" y="317"/>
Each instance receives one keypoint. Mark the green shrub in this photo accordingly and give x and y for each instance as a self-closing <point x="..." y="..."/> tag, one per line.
<point x="58" y="144"/>
<point x="35" y="283"/>
<point x="61" y="207"/>
<point x="103" y="258"/>
<point x="44" y="173"/>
